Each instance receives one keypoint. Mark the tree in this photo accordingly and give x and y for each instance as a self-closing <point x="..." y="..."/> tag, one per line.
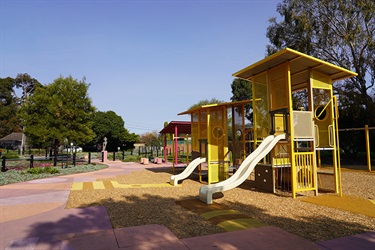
<point x="341" y="32"/>
<point x="110" y="125"/>
<point x="205" y="102"/>
<point x="153" y="139"/>
<point x="57" y="112"/>
<point x="241" y="90"/>
<point x="27" y="85"/>
<point x="8" y="108"/>
<point x="168" y="136"/>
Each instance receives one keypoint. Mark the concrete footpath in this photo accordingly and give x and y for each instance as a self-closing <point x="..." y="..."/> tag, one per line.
<point x="33" y="216"/>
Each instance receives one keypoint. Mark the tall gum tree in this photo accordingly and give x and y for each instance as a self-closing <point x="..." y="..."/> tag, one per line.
<point x="341" y="32"/>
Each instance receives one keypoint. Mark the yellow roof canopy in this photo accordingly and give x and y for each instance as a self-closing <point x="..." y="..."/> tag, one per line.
<point x="205" y="107"/>
<point x="300" y="64"/>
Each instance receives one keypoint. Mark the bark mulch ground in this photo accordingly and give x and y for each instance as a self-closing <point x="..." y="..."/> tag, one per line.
<point x="170" y="206"/>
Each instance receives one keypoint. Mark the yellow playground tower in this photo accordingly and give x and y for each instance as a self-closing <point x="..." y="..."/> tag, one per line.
<point x="309" y="128"/>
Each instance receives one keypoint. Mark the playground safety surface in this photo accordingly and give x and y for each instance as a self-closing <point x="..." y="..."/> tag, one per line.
<point x="33" y="216"/>
<point x="346" y="202"/>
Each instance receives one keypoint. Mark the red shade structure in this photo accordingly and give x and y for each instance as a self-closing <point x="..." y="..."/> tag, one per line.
<point x="175" y="128"/>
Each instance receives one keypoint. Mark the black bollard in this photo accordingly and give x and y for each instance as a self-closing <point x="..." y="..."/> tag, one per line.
<point x="3" y="164"/>
<point x="55" y="160"/>
<point x="102" y="156"/>
<point x="114" y="155"/>
<point x="89" y="159"/>
<point x="31" y="161"/>
<point x="74" y="159"/>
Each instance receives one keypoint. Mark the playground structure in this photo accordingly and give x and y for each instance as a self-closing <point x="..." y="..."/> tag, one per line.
<point x="179" y="130"/>
<point x="218" y="134"/>
<point x="308" y="129"/>
<point x="288" y="158"/>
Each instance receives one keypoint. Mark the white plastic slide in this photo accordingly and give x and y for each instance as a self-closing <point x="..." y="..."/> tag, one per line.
<point x="188" y="170"/>
<point x="247" y="166"/>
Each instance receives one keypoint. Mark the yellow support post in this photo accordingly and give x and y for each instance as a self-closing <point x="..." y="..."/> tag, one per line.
<point x="209" y="155"/>
<point x="368" y="148"/>
<point x="337" y="147"/>
<point x="292" y="155"/>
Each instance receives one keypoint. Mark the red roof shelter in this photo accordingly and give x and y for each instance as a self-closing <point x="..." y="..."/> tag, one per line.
<point x="175" y="128"/>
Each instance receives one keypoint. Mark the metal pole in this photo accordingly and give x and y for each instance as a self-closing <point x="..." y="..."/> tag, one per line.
<point x="368" y="148"/>
<point x="89" y="158"/>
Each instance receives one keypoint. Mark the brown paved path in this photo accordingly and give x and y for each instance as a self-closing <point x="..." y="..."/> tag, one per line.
<point x="33" y="216"/>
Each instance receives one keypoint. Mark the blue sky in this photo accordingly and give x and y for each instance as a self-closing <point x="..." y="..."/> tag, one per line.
<point x="145" y="60"/>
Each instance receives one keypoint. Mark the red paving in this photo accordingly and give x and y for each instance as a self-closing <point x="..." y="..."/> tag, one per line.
<point x="33" y="216"/>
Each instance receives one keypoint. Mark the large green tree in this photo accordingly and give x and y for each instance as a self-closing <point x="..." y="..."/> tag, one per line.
<point x="341" y="32"/>
<point x="110" y="125"/>
<point x="57" y="112"/>
<point x="8" y="108"/>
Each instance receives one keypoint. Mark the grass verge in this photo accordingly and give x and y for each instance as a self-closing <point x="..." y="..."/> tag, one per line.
<point x="15" y="176"/>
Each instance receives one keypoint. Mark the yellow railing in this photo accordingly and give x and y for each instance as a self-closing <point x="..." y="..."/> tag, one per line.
<point x="305" y="175"/>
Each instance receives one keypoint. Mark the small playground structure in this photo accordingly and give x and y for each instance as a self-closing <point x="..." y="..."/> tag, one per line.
<point x="178" y="131"/>
<point x="218" y="135"/>
<point x="287" y="138"/>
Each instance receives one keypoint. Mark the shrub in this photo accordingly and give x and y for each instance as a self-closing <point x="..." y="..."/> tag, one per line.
<point x="48" y="170"/>
<point x="35" y="171"/>
<point x="131" y="158"/>
<point x="11" y="155"/>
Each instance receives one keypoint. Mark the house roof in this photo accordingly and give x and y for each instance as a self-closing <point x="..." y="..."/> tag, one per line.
<point x="300" y="64"/>
<point x="16" y="136"/>
<point x="183" y="127"/>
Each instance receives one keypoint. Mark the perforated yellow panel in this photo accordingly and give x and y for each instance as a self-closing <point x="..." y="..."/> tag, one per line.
<point x="260" y="106"/>
<point x="194" y="132"/>
<point x="279" y="88"/>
